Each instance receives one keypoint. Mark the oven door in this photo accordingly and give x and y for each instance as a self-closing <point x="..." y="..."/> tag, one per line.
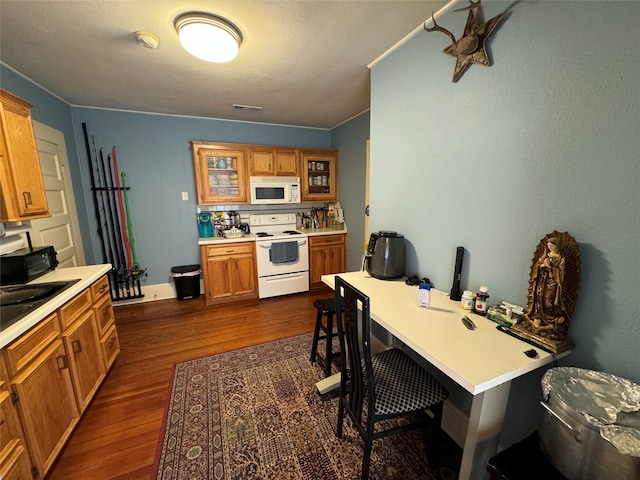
<point x="274" y="257"/>
<point x="283" y="267"/>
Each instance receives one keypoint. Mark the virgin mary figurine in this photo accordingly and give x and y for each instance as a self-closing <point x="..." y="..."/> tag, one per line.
<point x="553" y="287"/>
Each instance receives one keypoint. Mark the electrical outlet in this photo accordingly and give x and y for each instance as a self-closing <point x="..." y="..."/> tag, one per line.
<point x="185" y="196"/>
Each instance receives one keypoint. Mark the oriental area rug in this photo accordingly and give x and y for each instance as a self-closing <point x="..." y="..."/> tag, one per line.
<point x="255" y="413"/>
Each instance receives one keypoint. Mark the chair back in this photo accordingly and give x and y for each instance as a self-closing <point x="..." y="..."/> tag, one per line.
<point x="354" y="332"/>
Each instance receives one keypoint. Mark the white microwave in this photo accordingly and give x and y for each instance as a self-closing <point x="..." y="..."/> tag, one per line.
<point x="274" y="190"/>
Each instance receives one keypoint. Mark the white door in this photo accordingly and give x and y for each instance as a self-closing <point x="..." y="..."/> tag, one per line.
<point x="61" y="229"/>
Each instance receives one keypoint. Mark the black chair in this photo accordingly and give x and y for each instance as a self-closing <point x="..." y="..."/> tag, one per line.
<point x="386" y="385"/>
<point x="325" y="309"/>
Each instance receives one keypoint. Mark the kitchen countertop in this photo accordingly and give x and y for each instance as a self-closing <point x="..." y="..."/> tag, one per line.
<point x="250" y="237"/>
<point x="322" y="231"/>
<point x="87" y="275"/>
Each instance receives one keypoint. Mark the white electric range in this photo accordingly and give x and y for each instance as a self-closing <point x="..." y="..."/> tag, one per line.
<point x="282" y="254"/>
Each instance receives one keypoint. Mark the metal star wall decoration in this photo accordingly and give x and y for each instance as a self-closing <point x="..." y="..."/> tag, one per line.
<point x="471" y="47"/>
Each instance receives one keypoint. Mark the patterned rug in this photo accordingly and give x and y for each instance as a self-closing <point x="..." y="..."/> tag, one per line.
<point x="255" y="413"/>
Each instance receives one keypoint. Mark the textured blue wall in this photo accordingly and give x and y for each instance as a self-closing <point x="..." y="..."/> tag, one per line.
<point x="56" y="113"/>
<point x="155" y="153"/>
<point x="548" y="138"/>
<point x="350" y="139"/>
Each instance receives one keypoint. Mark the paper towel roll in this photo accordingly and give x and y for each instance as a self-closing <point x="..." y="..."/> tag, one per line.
<point x="11" y="243"/>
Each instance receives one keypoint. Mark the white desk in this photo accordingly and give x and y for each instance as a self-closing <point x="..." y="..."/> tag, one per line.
<point x="483" y="361"/>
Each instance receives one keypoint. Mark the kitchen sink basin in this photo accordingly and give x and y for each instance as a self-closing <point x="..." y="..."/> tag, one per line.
<point x="17" y="301"/>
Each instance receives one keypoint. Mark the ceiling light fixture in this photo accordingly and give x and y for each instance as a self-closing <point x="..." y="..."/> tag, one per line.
<point x="208" y="37"/>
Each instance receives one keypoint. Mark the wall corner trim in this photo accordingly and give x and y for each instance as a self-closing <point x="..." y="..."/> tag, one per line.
<point x="414" y="32"/>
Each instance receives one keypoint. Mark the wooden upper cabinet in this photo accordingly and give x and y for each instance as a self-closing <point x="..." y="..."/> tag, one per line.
<point x="22" y="187"/>
<point x="221" y="173"/>
<point x="273" y="162"/>
<point x="319" y="176"/>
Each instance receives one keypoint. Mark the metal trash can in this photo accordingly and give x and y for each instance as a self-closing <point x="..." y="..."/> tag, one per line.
<point x="590" y="429"/>
<point x="187" y="280"/>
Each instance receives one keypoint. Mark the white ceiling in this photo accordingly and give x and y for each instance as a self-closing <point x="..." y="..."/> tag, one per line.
<point x="304" y="62"/>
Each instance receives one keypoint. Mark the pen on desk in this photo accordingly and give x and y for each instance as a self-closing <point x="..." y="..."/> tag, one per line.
<point x="468" y="323"/>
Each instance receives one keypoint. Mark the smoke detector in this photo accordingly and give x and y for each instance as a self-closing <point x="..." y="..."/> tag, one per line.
<point x="147" y="39"/>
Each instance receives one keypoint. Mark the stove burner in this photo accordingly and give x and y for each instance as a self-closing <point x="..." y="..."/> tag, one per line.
<point x="263" y="234"/>
<point x="292" y="232"/>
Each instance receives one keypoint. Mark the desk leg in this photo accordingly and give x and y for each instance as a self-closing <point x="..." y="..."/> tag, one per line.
<point x="485" y="424"/>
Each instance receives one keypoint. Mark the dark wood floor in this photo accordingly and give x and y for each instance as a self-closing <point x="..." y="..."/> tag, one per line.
<point x="118" y="434"/>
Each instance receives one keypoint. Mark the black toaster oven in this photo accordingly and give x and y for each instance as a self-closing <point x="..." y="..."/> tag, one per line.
<point x="26" y="264"/>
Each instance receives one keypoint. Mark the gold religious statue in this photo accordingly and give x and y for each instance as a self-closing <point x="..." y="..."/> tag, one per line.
<point x="553" y="288"/>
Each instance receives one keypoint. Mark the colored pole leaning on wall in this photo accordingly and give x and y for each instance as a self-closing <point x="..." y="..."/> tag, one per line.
<point x="132" y="241"/>
<point x="123" y="218"/>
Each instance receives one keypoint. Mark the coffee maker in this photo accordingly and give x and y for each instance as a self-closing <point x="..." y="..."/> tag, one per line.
<point x="205" y="226"/>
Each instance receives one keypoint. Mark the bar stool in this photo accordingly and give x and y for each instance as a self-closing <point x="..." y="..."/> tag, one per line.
<point x="325" y="308"/>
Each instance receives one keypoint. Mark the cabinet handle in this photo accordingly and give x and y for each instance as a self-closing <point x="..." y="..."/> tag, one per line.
<point x="105" y="309"/>
<point x="111" y="341"/>
<point x="76" y="346"/>
<point x="27" y="198"/>
<point x="103" y="288"/>
<point x="63" y="364"/>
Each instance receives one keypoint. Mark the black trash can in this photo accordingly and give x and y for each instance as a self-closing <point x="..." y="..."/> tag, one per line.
<point x="187" y="279"/>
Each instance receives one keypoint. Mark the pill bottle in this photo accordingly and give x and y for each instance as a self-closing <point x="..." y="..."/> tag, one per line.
<point x="424" y="295"/>
<point x="466" y="303"/>
<point x="481" y="301"/>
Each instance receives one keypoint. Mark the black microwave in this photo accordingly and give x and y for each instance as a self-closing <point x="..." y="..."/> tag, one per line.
<point x="26" y="264"/>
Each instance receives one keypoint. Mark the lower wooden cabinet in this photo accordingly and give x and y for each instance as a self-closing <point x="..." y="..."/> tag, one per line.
<point x="105" y="321"/>
<point x="16" y="464"/>
<point x="42" y="390"/>
<point x="86" y="361"/>
<point x="49" y="376"/>
<point x="326" y="256"/>
<point x="14" y="458"/>
<point x="229" y="272"/>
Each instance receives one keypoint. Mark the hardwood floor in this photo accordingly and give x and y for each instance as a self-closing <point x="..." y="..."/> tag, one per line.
<point x="118" y="434"/>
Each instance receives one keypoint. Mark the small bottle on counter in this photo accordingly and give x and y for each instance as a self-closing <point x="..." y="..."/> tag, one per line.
<point x="481" y="301"/>
<point x="466" y="302"/>
<point x="424" y="295"/>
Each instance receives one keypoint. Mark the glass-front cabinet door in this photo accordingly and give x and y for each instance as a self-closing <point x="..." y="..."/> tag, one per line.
<point x="220" y="174"/>
<point x="319" y="177"/>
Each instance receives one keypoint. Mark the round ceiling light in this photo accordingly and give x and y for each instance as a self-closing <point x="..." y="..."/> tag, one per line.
<point x="208" y="37"/>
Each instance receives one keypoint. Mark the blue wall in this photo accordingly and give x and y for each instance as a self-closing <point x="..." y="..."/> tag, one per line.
<point x="350" y="139"/>
<point x="548" y="138"/>
<point x="155" y="153"/>
<point x="52" y="111"/>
